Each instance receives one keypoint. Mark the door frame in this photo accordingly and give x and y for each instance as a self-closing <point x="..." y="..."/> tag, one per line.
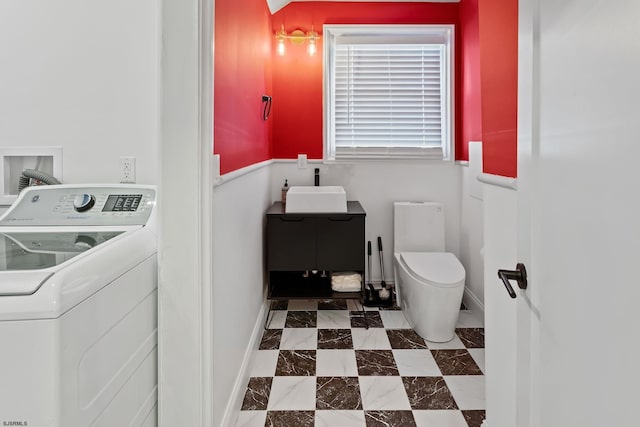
<point x="185" y="194"/>
<point x="509" y="221"/>
<point x="526" y="136"/>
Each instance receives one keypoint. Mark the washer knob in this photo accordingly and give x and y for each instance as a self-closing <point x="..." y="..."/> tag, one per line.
<point x="83" y="202"/>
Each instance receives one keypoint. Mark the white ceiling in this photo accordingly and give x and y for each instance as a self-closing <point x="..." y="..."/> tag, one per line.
<point x="276" y="5"/>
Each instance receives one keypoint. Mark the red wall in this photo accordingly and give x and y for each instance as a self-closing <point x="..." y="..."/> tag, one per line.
<point x="499" y="83"/>
<point x="297" y="77"/>
<point x="471" y="83"/>
<point x="246" y="66"/>
<point x="242" y="73"/>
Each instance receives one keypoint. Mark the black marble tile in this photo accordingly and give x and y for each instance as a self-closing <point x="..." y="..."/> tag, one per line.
<point x="338" y="393"/>
<point x="428" y="393"/>
<point x="376" y="363"/>
<point x="301" y="319"/>
<point x="455" y="362"/>
<point x="271" y="339"/>
<point x="338" y="304"/>
<point x="257" y="395"/>
<point x="474" y="418"/>
<point x="296" y="363"/>
<point x="471" y="337"/>
<point x="389" y="419"/>
<point x="290" y="419"/>
<point x="406" y="339"/>
<point x="281" y="304"/>
<point x="373" y="318"/>
<point x="335" y="339"/>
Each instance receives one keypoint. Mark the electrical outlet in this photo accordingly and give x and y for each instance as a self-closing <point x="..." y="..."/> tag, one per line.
<point x="127" y="170"/>
<point x="302" y="161"/>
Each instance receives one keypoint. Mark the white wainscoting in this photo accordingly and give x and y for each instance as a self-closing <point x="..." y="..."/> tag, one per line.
<point x="239" y="206"/>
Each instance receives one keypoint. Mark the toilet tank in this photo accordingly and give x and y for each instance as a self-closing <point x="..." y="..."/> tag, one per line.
<point x="418" y="227"/>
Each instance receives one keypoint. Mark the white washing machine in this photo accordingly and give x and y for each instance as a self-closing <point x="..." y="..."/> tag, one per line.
<point x="78" y="307"/>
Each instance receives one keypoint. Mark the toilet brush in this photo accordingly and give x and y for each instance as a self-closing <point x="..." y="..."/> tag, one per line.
<point x="384" y="292"/>
<point x="369" y="262"/>
<point x="370" y="292"/>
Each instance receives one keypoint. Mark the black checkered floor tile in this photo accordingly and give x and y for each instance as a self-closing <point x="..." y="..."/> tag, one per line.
<point x="319" y="366"/>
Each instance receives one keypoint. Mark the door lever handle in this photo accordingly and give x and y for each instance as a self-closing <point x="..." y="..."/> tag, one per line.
<point x="519" y="275"/>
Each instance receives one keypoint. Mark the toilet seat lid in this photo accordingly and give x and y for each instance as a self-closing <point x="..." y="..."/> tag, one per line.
<point x="439" y="268"/>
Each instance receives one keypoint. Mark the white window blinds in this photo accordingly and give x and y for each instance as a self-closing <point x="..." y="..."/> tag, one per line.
<point x="388" y="97"/>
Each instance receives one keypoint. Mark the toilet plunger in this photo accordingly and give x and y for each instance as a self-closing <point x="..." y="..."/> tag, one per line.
<point x="384" y="292"/>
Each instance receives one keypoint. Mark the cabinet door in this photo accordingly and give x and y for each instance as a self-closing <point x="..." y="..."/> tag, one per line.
<point x="291" y="243"/>
<point x="341" y="243"/>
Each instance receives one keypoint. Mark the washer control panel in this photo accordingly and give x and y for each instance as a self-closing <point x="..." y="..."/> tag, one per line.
<point x="82" y="205"/>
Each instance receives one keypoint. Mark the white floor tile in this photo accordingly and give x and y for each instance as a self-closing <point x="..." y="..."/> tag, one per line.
<point x="394" y="319"/>
<point x="336" y="363"/>
<point x="264" y="363"/>
<point x="333" y="319"/>
<point x="469" y="319"/>
<point x="251" y="419"/>
<point x="383" y="393"/>
<point x="478" y="356"/>
<point x="340" y="419"/>
<point x="439" y="418"/>
<point x="370" y="339"/>
<point x="467" y="390"/>
<point x="278" y="318"/>
<point x="303" y="304"/>
<point x="454" y="344"/>
<point x="299" y="339"/>
<point x="292" y="393"/>
<point x="416" y="363"/>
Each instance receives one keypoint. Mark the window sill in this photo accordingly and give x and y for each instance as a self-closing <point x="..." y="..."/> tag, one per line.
<point x="373" y="160"/>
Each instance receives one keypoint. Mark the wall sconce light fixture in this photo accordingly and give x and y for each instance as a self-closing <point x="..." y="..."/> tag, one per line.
<point x="297" y="37"/>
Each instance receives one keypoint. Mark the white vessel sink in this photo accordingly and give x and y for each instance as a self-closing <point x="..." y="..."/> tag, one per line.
<point x="321" y="199"/>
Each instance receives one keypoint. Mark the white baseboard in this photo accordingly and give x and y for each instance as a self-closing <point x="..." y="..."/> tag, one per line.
<point x="472" y="302"/>
<point x="232" y="410"/>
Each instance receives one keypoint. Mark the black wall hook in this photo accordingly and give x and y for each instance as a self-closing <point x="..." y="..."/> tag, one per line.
<point x="267" y="107"/>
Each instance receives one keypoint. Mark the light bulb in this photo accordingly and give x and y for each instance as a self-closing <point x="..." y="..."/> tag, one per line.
<point x="312" y="46"/>
<point x="280" y="36"/>
<point x="312" y="36"/>
<point x="281" y="46"/>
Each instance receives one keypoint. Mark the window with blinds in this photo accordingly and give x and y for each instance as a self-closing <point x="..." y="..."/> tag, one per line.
<point x="387" y="92"/>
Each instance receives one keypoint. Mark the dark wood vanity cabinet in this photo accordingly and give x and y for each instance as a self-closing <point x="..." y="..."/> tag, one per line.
<point x="340" y="243"/>
<point x="306" y="242"/>
<point x="291" y="242"/>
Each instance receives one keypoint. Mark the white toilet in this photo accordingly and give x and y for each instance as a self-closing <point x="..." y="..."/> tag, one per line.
<point x="429" y="281"/>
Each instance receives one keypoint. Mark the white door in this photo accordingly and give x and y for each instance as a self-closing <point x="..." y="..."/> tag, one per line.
<point x="578" y="216"/>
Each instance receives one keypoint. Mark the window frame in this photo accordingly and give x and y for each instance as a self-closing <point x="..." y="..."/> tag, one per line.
<point x="442" y="34"/>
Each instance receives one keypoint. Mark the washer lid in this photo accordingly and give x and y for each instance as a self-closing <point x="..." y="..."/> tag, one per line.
<point x="439" y="268"/>
<point x="39" y="250"/>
